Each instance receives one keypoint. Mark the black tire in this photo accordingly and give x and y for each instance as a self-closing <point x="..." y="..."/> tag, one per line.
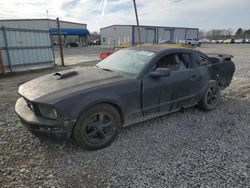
<point x="97" y="127"/>
<point x="211" y="97"/>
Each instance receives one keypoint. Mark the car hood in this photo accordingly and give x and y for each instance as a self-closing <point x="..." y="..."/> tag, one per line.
<point x="67" y="82"/>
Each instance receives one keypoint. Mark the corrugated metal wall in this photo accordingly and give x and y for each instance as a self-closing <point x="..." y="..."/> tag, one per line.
<point x="25" y="48"/>
<point x="192" y="34"/>
<point x="116" y="35"/>
<point x="165" y="34"/>
<point x="150" y="34"/>
<point x="179" y="34"/>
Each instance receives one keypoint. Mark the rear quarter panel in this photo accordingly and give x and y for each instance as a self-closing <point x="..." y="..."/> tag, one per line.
<point x="222" y="72"/>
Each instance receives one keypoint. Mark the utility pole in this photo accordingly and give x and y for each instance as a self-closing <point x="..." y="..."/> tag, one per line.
<point x="137" y="21"/>
<point x="1" y="64"/>
<point x="60" y="40"/>
<point x="47" y="12"/>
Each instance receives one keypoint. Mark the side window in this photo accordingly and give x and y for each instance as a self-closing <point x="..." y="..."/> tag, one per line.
<point x="186" y="59"/>
<point x="177" y="61"/>
<point x="203" y="60"/>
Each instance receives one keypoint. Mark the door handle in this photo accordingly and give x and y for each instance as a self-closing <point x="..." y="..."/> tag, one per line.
<point x="193" y="77"/>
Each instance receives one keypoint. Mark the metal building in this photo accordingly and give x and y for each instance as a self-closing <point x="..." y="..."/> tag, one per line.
<point x="70" y="29"/>
<point x="120" y="34"/>
<point x="27" y="43"/>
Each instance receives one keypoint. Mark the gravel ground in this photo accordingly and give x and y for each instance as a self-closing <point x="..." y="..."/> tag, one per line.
<point x="184" y="149"/>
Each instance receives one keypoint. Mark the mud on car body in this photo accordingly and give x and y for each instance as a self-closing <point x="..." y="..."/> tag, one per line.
<point x="134" y="84"/>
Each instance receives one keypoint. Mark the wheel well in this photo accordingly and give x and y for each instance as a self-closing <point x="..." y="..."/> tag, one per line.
<point x="118" y="108"/>
<point x="218" y="81"/>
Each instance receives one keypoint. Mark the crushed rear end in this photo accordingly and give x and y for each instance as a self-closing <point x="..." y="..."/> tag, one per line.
<point x="222" y="68"/>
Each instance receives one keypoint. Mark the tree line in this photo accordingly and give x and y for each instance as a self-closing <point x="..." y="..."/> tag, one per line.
<point x="222" y="34"/>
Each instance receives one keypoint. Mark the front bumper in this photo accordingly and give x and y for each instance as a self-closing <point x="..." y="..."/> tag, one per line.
<point x="43" y="127"/>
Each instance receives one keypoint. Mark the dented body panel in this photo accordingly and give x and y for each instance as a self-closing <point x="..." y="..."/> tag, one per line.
<point x="136" y="98"/>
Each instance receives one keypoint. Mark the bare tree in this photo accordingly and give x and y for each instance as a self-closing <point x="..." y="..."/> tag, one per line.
<point x="239" y="32"/>
<point x="219" y="34"/>
<point x="202" y="34"/>
<point x="229" y="32"/>
<point x="222" y="34"/>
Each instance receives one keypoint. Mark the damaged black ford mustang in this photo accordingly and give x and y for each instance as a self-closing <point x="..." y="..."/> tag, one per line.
<point x="132" y="85"/>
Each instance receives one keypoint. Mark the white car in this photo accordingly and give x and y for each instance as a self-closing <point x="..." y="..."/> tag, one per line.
<point x="205" y="41"/>
<point x="193" y="42"/>
<point x="241" y="41"/>
<point x="219" y="41"/>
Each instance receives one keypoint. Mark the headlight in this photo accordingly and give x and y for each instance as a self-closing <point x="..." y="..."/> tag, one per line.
<point x="47" y="111"/>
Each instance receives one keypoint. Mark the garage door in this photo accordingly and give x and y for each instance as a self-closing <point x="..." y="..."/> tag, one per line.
<point x="167" y="34"/>
<point x="179" y="35"/>
<point x="150" y="36"/>
<point x="192" y="34"/>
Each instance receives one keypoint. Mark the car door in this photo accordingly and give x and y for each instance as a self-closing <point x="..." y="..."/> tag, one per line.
<point x="162" y="94"/>
<point x="188" y="84"/>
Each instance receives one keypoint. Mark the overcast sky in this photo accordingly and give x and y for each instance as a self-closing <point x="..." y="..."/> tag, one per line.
<point x="204" y="14"/>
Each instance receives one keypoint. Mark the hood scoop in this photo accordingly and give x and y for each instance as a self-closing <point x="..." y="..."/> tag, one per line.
<point x="64" y="74"/>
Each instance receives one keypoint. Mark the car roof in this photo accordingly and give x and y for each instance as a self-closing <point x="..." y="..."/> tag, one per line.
<point x="159" y="49"/>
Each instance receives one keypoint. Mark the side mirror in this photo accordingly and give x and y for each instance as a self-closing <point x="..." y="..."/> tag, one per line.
<point x="160" y="72"/>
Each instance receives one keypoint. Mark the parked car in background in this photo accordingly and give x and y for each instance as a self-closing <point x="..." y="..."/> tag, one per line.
<point x="193" y="42"/>
<point x="90" y="42"/>
<point x="55" y="43"/>
<point x="134" y="84"/>
<point x="72" y="44"/>
<point x="205" y="41"/>
<point x="219" y="41"/>
<point x="240" y="41"/>
<point x="165" y="42"/>
<point x="228" y="41"/>
<point x="97" y="42"/>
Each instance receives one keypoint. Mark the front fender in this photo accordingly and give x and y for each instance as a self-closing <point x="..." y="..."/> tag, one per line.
<point x="74" y="106"/>
<point x="126" y="96"/>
